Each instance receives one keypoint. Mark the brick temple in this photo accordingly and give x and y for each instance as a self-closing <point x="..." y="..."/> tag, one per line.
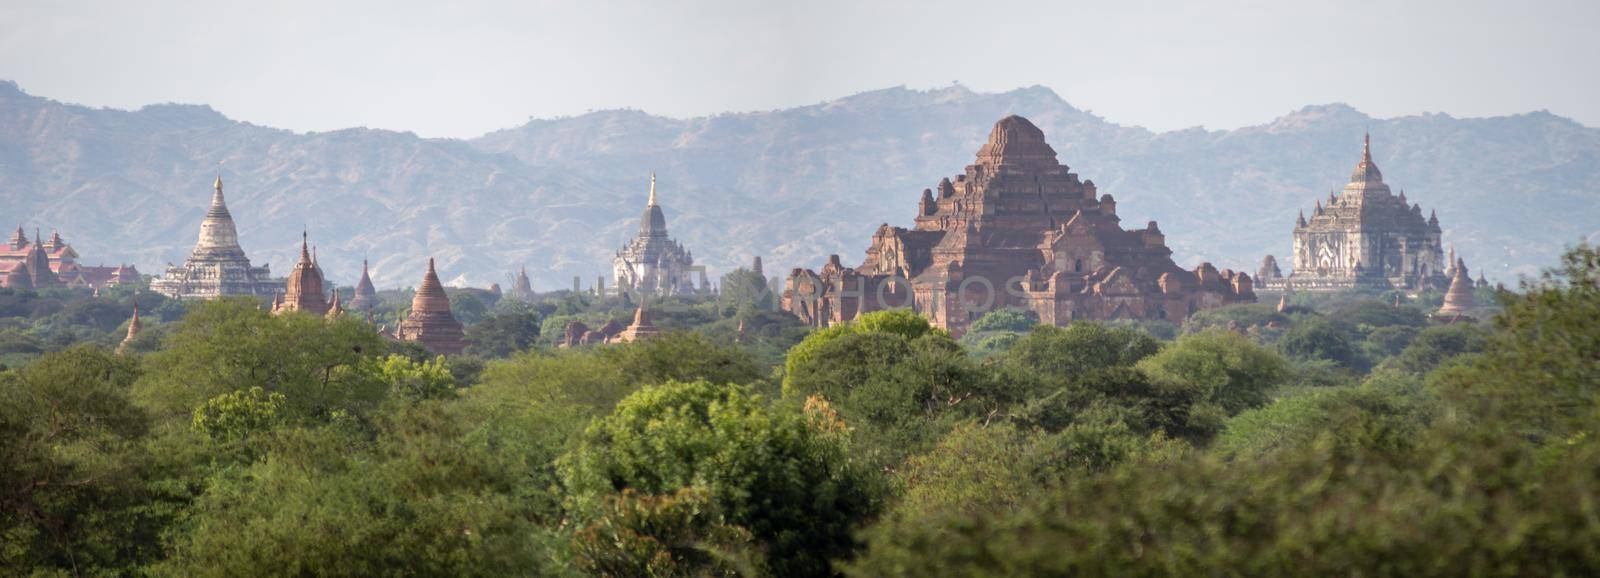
<point x="430" y="321"/>
<point x="41" y="264"/>
<point x="1017" y="229"/>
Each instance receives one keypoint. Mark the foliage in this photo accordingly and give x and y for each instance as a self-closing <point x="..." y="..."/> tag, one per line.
<point x="229" y="345"/>
<point x="467" y="307"/>
<point x="1318" y="338"/>
<point x="1457" y="508"/>
<point x="979" y="467"/>
<point x="792" y="485"/>
<point x="1058" y="354"/>
<point x="1234" y="317"/>
<point x="1388" y="416"/>
<point x="502" y="334"/>
<point x="238" y="416"/>
<point x="1539" y="372"/>
<point x="421" y="502"/>
<point x="412" y="380"/>
<point x="1231" y="371"/>
<point x="1435" y="345"/>
<point x="680" y="534"/>
<point x="742" y="289"/>
<point x="71" y="497"/>
<point x="1005" y="319"/>
<point x="229" y="442"/>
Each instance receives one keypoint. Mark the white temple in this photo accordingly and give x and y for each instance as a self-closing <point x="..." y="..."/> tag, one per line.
<point x="217" y="267"/>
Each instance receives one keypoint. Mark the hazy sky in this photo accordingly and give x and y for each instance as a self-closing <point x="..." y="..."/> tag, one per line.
<point x="455" y="68"/>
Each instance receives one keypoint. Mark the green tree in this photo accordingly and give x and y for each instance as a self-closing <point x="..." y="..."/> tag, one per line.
<point x="502" y="334"/>
<point x="72" y="445"/>
<point x="1062" y="354"/>
<point x="238" y="416"/>
<point x="743" y="289"/>
<point x="1320" y="339"/>
<point x="231" y="344"/>
<point x="1454" y="509"/>
<point x="1219" y="374"/>
<point x="681" y="534"/>
<point x="1005" y="319"/>
<point x="1436" y="345"/>
<point x="1385" y="416"/>
<point x="433" y="495"/>
<point x="1539" y="373"/>
<point x="467" y="307"/>
<point x="596" y="378"/>
<point x="785" y="477"/>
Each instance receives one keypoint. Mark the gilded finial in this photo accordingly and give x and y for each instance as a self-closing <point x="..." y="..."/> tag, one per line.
<point x="652" y="188"/>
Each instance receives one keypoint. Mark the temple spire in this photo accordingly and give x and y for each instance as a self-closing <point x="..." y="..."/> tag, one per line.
<point x="1366" y="171"/>
<point x="652" y="189"/>
<point x="133" y="329"/>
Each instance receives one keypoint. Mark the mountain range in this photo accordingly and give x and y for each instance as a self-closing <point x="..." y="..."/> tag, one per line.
<point x="560" y="196"/>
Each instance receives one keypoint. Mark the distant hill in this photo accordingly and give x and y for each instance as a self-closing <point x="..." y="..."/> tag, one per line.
<point x="793" y="185"/>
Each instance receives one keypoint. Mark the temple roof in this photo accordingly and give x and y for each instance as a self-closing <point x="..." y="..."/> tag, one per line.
<point x="430" y="297"/>
<point x="654" y="222"/>
<point x="219" y="208"/>
<point x="1016" y="141"/>
<point x="1366" y="171"/>
<point x="365" y="284"/>
<point x="219" y="239"/>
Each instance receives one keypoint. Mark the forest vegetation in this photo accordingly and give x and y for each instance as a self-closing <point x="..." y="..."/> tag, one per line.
<point x="1350" y="435"/>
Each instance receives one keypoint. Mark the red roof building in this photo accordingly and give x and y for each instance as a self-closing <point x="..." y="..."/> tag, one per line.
<point x="53" y="263"/>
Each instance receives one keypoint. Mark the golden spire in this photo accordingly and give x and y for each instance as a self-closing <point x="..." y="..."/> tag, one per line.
<point x="652" y="189"/>
<point x="1366" y="148"/>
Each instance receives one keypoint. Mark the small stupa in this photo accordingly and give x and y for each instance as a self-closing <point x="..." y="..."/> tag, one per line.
<point x="430" y="322"/>
<point x="1460" y="298"/>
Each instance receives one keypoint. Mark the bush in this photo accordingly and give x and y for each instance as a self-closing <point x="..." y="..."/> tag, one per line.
<point x="785" y="478"/>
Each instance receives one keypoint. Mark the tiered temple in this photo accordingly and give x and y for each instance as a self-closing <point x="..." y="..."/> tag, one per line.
<point x="652" y="263"/>
<point x="430" y="322"/>
<point x="1365" y="237"/>
<point x="303" y="292"/>
<point x="39" y="264"/>
<point x="366" y="297"/>
<point x="217" y="267"/>
<point x="1016" y="230"/>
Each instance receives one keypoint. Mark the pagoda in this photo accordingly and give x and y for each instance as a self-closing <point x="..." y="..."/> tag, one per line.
<point x="1365" y="236"/>
<point x="366" y="297"/>
<point x="134" y="326"/>
<point x="217" y="267"/>
<point x="521" y="287"/>
<point x="303" y="291"/>
<point x="430" y="322"/>
<point x="1460" y="298"/>
<point x="641" y="328"/>
<point x="652" y="263"/>
<point x="1016" y="230"/>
